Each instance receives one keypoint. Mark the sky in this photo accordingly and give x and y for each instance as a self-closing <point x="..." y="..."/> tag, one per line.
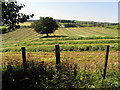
<point x="87" y="10"/>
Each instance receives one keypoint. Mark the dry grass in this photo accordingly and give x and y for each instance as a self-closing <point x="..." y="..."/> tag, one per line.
<point x="90" y="60"/>
<point x="25" y="24"/>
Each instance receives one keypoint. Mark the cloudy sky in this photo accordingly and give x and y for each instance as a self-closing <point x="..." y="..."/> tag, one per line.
<point x="87" y="10"/>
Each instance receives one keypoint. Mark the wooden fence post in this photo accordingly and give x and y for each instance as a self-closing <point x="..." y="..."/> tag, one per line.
<point x="106" y="61"/>
<point x="57" y="54"/>
<point x="24" y="57"/>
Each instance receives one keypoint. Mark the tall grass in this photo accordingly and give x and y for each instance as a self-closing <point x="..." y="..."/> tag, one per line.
<point x="45" y="76"/>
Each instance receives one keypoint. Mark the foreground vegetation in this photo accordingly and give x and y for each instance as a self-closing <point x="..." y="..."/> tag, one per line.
<point x="45" y="76"/>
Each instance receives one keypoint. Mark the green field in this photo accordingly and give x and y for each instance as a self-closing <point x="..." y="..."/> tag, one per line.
<point x="113" y="26"/>
<point x="70" y="39"/>
<point x="81" y="46"/>
<point x="1" y="27"/>
<point x="25" y="24"/>
<point x="87" y="56"/>
<point x="67" y="38"/>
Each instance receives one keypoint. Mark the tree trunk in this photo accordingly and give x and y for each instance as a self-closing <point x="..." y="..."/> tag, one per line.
<point x="47" y="34"/>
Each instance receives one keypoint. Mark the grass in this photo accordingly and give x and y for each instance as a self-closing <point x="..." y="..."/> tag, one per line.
<point x="21" y="24"/>
<point x="113" y="26"/>
<point x="34" y="42"/>
<point x="30" y="34"/>
<point x="40" y="75"/>
<point x="82" y="46"/>
<point x="45" y="42"/>
<point x="91" y="59"/>
<point x="65" y="47"/>
<point x="27" y="37"/>
<point x="25" y="24"/>
<point x="2" y="27"/>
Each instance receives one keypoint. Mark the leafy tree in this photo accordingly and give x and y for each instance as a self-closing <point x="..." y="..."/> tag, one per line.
<point x="45" y="25"/>
<point x="11" y="16"/>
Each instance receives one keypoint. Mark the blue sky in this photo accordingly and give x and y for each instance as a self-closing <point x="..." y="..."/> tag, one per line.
<point x="84" y="11"/>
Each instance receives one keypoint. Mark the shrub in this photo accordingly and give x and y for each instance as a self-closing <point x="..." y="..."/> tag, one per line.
<point x="40" y="75"/>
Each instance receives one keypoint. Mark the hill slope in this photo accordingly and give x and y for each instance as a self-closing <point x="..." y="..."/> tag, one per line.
<point x="68" y="38"/>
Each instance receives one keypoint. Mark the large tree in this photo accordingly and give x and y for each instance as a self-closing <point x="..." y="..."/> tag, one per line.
<point x="11" y="15"/>
<point x="45" y="25"/>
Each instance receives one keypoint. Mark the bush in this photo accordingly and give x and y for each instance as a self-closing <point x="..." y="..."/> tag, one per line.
<point x="40" y="75"/>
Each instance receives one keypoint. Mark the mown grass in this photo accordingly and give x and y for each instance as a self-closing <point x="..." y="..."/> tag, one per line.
<point x="26" y="34"/>
<point x="53" y="42"/>
<point x="88" y="52"/>
<point x="25" y="24"/>
<point x="13" y="41"/>
<point x="65" y="47"/>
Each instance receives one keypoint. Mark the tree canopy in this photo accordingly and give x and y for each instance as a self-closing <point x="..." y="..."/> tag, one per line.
<point x="45" y="25"/>
<point x="11" y="15"/>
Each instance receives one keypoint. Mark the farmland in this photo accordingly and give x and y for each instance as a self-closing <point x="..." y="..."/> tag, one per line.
<point x="77" y="39"/>
<point x="23" y="35"/>
<point x="79" y="54"/>
<point x="25" y="24"/>
<point x="84" y="46"/>
<point x="93" y="60"/>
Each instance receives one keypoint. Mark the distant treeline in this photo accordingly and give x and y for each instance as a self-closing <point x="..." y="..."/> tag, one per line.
<point x="80" y="22"/>
<point x="75" y="23"/>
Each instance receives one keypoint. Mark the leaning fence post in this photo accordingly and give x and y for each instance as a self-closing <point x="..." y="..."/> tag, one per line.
<point x="106" y="61"/>
<point x="24" y="57"/>
<point x="57" y="54"/>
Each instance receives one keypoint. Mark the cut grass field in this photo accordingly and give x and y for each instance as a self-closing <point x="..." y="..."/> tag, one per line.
<point x="91" y="39"/>
<point x="65" y="37"/>
<point x="25" y="24"/>
<point x="26" y="34"/>
<point x="84" y="47"/>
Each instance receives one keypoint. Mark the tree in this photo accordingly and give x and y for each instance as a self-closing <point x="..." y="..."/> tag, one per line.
<point x="45" y="25"/>
<point x="11" y="16"/>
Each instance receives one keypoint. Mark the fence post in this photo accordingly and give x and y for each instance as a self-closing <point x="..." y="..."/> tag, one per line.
<point x="24" y="57"/>
<point x="106" y="61"/>
<point x="57" y="54"/>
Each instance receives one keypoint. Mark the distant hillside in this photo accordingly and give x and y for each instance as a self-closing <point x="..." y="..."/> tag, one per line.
<point x="81" y="22"/>
<point x="66" y="24"/>
<point x="113" y="26"/>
